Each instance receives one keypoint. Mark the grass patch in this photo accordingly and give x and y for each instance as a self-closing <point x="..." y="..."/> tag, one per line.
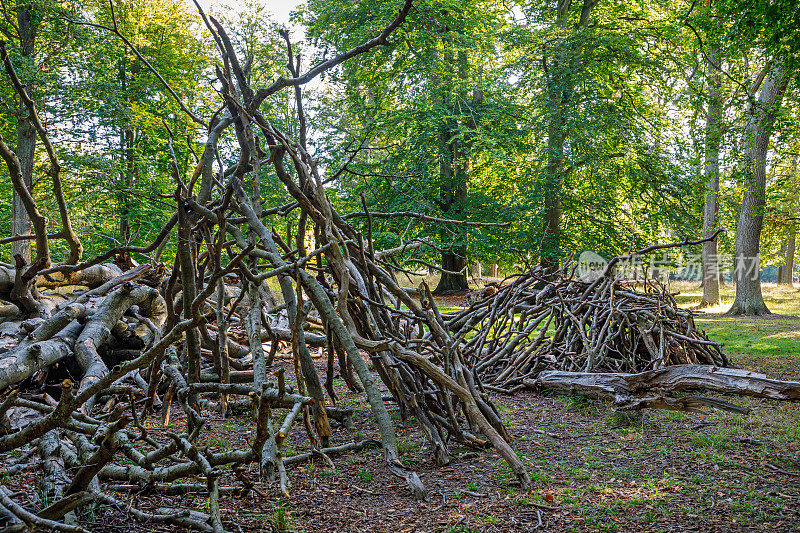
<point x="625" y="419"/>
<point x="365" y="476"/>
<point x="280" y="519"/>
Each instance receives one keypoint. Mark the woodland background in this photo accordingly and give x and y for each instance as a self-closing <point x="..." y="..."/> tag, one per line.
<point x="602" y="127"/>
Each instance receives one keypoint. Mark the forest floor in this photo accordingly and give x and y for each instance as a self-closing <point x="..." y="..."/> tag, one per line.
<point x="593" y="469"/>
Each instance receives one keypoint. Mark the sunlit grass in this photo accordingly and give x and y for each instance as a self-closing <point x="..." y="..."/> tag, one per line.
<point x="780" y="299"/>
<point x="769" y="343"/>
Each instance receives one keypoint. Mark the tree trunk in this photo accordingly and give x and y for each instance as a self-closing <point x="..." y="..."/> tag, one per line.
<point x="454" y="174"/>
<point x="654" y="388"/>
<point x="788" y="265"/>
<point x="453" y="261"/>
<point x="564" y="59"/>
<point x="749" y="300"/>
<point x="711" y="274"/>
<point x="127" y="178"/>
<point x="477" y="270"/>
<point x="788" y="270"/>
<point x="26" y="144"/>
<point x="551" y="226"/>
<point x="559" y="94"/>
<point x="128" y="164"/>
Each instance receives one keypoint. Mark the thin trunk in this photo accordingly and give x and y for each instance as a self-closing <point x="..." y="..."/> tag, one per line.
<point x="711" y="275"/>
<point x="788" y="265"/>
<point x="128" y="164"/>
<point x="477" y="270"/>
<point x="749" y="300"/>
<point x="551" y="225"/>
<point x="188" y="293"/>
<point x="788" y="271"/>
<point x="127" y="177"/>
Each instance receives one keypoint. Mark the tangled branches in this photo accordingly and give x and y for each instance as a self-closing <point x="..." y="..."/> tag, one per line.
<point x="553" y="321"/>
<point x="122" y="348"/>
<point x="83" y="375"/>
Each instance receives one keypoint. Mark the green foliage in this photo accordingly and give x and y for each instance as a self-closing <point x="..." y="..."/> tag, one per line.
<point x="426" y="127"/>
<point x="106" y="113"/>
<point x="455" y="121"/>
<point x="590" y="120"/>
<point x="280" y="520"/>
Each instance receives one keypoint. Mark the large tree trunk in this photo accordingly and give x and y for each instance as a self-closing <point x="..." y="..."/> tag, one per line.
<point x="455" y="262"/>
<point x="711" y="275"/>
<point x="559" y="92"/>
<point x="26" y="144"/>
<point x="749" y="300"/>
<point x="454" y="172"/>
<point x="561" y="64"/>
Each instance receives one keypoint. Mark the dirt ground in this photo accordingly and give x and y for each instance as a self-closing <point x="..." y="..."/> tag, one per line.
<point x="593" y="469"/>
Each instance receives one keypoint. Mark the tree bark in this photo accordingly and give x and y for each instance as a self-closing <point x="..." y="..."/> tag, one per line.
<point x="26" y="143"/>
<point x="652" y="389"/>
<point x="30" y="356"/>
<point x="477" y="270"/>
<point x="454" y="175"/>
<point x="711" y="274"/>
<point x="762" y="113"/>
<point x="39" y="222"/>
<point x="188" y="292"/>
<point x="787" y="277"/>
<point x="551" y="225"/>
<point x="559" y="64"/>
<point x="454" y="279"/>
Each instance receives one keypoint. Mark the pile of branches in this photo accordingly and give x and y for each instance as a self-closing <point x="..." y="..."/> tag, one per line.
<point x="600" y="336"/>
<point x="84" y="371"/>
<point x="552" y="320"/>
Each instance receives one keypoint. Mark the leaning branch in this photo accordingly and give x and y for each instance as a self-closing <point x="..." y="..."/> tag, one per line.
<point x="380" y="40"/>
<point x="67" y="233"/>
<point x="428" y="218"/>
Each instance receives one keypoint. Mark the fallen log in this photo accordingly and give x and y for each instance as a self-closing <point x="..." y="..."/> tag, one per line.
<point x="93" y="276"/>
<point x="653" y="389"/>
<point x="98" y="328"/>
<point x="21" y="362"/>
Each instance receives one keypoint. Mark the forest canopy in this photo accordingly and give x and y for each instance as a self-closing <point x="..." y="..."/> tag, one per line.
<point x="585" y="128"/>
